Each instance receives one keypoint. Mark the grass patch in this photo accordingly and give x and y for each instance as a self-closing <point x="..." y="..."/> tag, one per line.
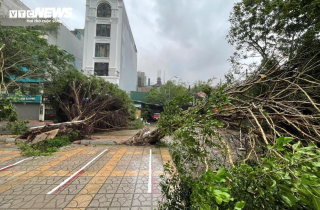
<point x="48" y="146"/>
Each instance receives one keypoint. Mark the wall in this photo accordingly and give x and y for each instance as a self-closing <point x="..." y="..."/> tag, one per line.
<point x="67" y="41"/>
<point x="128" y="67"/>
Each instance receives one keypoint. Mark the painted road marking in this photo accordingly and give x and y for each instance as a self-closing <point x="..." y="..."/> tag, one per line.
<point x="29" y="174"/>
<point x="150" y="173"/>
<point x="13" y="165"/>
<point x="74" y="176"/>
<point x="86" y="195"/>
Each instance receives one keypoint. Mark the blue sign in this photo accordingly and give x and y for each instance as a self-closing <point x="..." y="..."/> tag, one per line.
<point x="29" y="99"/>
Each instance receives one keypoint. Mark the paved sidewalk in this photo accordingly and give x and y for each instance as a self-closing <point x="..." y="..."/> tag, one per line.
<point x="118" y="179"/>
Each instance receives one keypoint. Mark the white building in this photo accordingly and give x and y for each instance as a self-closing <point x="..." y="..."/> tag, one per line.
<point x="109" y="48"/>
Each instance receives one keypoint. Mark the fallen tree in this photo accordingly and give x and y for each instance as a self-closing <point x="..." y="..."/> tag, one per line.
<point x="64" y="129"/>
<point x="282" y="100"/>
<point x="278" y="112"/>
<point x="99" y="105"/>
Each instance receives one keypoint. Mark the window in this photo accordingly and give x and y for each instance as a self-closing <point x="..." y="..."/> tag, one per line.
<point x="78" y="35"/>
<point x="102" y="50"/>
<point x="103" y="30"/>
<point x="104" y="10"/>
<point x="101" y="69"/>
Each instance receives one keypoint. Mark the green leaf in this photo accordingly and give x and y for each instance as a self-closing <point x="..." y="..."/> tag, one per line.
<point x="287" y="140"/>
<point x="221" y="172"/>
<point x="218" y="200"/>
<point x="316" y="203"/>
<point x="240" y="205"/>
<point x="288" y="198"/>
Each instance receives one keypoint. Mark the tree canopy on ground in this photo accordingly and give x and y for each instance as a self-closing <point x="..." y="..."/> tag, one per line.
<point x="103" y="105"/>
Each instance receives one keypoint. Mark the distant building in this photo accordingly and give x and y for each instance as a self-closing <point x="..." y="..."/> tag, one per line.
<point x="72" y="42"/>
<point x="109" y="50"/>
<point x="142" y="79"/>
<point x="144" y="89"/>
<point x="159" y="83"/>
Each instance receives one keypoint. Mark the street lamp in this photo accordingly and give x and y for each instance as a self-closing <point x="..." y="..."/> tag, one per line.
<point x="170" y="85"/>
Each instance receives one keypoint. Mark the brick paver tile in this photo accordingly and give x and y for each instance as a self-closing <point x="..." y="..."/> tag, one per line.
<point x="102" y="200"/>
<point x="122" y="200"/>
<point x="142" y="200"/>
<point x="117" y="173"/>
<point x="80" y="201"/>
<point x="90" y="189"/>
<point x="131" y="173"/>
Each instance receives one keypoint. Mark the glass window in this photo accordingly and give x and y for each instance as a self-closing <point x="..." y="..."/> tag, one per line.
<point x="103" y="30"/>
<point x="102" y="50"/>
<point x="101" y="69"/>
<point x="104" y="10"/>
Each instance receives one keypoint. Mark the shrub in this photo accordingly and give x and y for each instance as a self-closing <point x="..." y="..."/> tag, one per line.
<point x="136" y="124"/>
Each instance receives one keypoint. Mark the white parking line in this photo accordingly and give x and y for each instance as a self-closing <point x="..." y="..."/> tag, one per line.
<point x="11" y="166"/>
<point x="75" y="175"/>
<point x="150" y="173"/>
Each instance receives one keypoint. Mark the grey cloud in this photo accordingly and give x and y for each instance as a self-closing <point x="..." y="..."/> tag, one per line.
<point x="182" y="37"/>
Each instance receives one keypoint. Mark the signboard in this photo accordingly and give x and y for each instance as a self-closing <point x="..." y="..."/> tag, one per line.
<point x="29" y="99"/>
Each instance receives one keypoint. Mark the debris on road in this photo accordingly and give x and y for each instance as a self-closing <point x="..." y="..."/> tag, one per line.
<point x="144" y="137"/>
<point x="43" y="136"/>
<point x="36" y="135"/>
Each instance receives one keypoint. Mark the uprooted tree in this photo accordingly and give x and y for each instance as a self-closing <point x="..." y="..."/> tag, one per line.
<point x="100" y="105"/>
<point x="278" y="112"/>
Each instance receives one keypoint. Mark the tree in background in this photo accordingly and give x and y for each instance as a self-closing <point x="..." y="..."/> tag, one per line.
<point x="271" y="30"/>
<point x="26" y="56"/>
<point x="161" y="95"/>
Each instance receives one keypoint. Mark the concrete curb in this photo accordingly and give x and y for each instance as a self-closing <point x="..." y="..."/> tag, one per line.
<point x="95" y="142"/>
<point x="8" y="140"/>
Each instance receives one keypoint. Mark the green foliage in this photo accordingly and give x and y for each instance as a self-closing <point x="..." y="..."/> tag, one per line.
<point x="7" y="111"/>
<point x="48" y="146"/>
<point x="57" y="142"/>
<point x="272" y="29"/>
<point x="280" y="183"/>
<point x="161" y="95"/>
<point x="286" y="176"/>
<point x="146" y="113"/>
<point x="28" y="56"/>
<point x="160" y="144"/>
<point x="33" y="151"/>
<point x="17" y="127"/>
<point x="136" y="124"/>
<point x="209" y="191"/>
<point x="202" y="86"/>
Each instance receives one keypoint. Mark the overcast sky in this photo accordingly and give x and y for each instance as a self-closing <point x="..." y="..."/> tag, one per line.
<point x="184" y="38"/>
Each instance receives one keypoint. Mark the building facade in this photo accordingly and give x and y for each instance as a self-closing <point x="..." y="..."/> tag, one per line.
<point x="142" y="79"/>
<point x="109" y="48"/>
